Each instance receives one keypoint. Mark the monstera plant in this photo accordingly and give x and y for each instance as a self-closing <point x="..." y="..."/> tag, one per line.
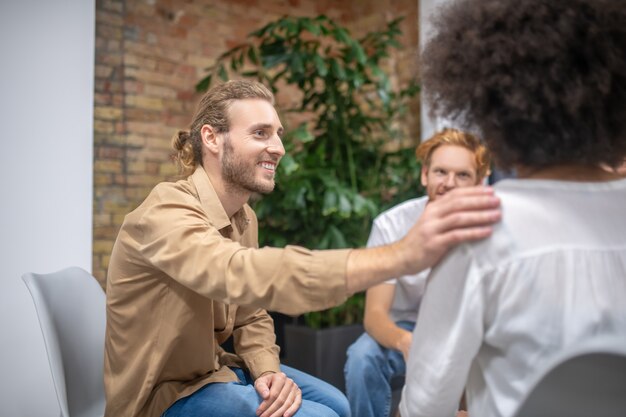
<point x="338" y="172"/>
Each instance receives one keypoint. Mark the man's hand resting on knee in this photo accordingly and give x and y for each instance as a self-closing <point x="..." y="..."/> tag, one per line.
<point x="281" y="396"/>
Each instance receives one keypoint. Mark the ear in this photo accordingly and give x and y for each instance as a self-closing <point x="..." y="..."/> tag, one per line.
<point x="210" y="139"/>
<point x="424" y="176"/>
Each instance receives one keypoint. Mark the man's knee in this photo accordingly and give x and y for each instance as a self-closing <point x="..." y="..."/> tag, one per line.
<point x="221" y="399"/>
<point x="365" y="353"/>
<point x="365" y="347"/>
<point x="315" y="409"/>
<point x="342" y="407"/>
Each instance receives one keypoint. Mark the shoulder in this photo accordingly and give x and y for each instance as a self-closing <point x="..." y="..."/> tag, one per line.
<point x="172" y="195"/>
<point x="393" y="224"/>
<point x="172" y="190"/>
<point x="404" y="213"/>
<point x="412" y="207"/>
<point x="166" y="197"/>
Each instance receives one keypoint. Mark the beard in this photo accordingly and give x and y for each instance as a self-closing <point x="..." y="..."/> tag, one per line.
<point x="240" y="176"/>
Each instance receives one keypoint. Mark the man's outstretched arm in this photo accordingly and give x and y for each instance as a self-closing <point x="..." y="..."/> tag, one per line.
<point x="462" y="215"/>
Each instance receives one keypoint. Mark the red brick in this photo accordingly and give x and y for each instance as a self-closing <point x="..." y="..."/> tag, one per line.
<point x="109" y="152"/>
<point x="102" y="98"/>
<point x="109" y="32"/>
<point x="110" y="18"/>
<point x="112" y="5"/>
<point x="103" y="71"/>
<point x="132" y="87"/>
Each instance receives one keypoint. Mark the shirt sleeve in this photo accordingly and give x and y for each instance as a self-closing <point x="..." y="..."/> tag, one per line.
<point x="176" y="237"/>
<point x="447" y="337"/>
<point x="255" y="341"/>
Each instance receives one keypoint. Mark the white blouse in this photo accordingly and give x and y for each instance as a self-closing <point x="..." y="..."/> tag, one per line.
<point x="552" y="274"/>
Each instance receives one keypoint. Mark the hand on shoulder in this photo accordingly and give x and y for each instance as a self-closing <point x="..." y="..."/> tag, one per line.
<point x="462" y="215"/>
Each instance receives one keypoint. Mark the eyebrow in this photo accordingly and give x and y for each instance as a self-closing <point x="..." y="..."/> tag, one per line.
<point x="463" y="171"/>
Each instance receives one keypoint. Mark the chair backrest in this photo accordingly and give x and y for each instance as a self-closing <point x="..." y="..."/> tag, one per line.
<point x="70" y="306"/>
<point x="588" y="380"/>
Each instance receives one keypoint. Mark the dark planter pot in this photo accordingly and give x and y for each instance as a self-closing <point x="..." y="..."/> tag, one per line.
<point x="321" y="353"/>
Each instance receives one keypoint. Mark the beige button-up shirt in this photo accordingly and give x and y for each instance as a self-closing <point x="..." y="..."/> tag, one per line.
<point x="182" y="278"/>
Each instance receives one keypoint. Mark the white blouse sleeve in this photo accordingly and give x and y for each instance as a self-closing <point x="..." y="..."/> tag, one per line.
<point x="446" y="339"/>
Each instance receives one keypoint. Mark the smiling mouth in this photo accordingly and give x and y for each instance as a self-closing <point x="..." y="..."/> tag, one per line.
<point x="268" y="165"/>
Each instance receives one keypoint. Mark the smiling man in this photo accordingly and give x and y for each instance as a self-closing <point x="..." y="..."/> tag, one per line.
<point x="186" y="274"/>
<point x="450" y="159"/>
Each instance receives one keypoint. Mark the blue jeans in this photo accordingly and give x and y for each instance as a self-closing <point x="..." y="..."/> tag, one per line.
<point x="240" y="399"/>
<point x="368" y="372"/>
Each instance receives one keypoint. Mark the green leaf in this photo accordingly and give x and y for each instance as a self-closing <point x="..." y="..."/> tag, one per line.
<point x="270" y="61"/>
<point x="288" y="164"/>
<point x="250" y="74"/>
<point x="337" y="69"/>
<point x="376" y="71"/>
<point x="302" y="134"/>
<point x="252" y="55"/>
<point x="240" y="58"/>
<point x="384" y="95"/>
<point x="260" y="32"/>
<point x="359" y="53"/>
<point x="300" y="200"/>
<point x="345" y="208"/>
<point x="204" y="84"/>
<point x="342" y="35"/>
<point x="222" y="73"/>
<point x="330" y="202"/>
<point x="359" y="203"/>
<point x="337" y="237"/>
<point x="296" y="63"/>
<point x="324" y="242"/>
<point x="320" y="65"/>
<point x="289" y="26"/>
<point x="311" y="27"/>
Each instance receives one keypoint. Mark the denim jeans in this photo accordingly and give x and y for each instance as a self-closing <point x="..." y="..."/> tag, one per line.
<point x="368" y="372"/>
<point x="240" y="399"/>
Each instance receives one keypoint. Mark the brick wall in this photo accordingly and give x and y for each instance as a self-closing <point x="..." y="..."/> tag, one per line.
<point x="149" y="56"/>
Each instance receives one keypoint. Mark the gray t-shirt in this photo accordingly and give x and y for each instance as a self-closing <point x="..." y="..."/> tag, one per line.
<point x="391" y="226"/>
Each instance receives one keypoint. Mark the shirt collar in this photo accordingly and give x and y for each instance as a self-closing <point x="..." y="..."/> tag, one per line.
<point x="212" y="204"/>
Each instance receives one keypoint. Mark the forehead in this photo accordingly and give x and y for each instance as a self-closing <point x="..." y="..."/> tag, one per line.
<point x="453" y="157"/>
<point x="247" y="112"/>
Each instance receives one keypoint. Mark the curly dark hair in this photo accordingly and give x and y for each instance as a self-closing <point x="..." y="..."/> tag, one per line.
<point x="545" y="80"/>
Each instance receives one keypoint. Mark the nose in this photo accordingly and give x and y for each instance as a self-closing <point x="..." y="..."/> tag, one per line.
<point x="275" y="146"/>
<point x="450" y="181"/>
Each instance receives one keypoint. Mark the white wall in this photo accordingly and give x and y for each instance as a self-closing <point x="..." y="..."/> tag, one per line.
<point x="429" y="125"/>
<point x="46" y="154"/>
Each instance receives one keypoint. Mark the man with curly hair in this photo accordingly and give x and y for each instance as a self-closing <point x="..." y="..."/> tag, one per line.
<point x="545" y="82"/>
<point x="450" y="159"/>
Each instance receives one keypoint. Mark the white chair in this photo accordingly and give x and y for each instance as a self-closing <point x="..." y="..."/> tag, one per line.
<point x="588" y="380"/>
<point x="70" y="306"/>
